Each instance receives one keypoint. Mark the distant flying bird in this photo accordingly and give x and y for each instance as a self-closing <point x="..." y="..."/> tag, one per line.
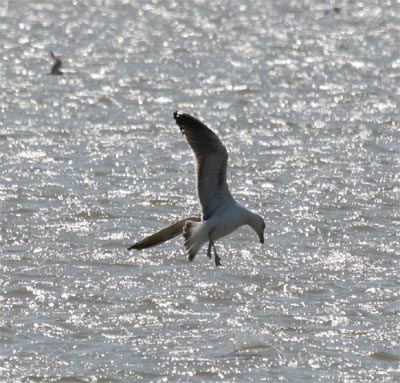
<point x="334" y="9"/>
<point x="221" y="214"/>
<point x="57" y="65"/>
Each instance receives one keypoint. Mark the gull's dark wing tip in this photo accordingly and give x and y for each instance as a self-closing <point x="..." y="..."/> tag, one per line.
<point x="182" y="119"/>
<point x="177" y="118"/>
<point x="187" y="121"/>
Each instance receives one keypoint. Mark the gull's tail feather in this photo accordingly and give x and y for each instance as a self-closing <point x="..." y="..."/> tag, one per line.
<point x="194" y="238"/>
<point x="163" y="235"/>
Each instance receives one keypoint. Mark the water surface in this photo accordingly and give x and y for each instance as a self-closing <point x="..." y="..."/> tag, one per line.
<point x="306" y="100"/>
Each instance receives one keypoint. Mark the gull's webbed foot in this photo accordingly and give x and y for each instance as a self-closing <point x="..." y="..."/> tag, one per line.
<point x="217" y="260"/>
<point x="216" y="256"/>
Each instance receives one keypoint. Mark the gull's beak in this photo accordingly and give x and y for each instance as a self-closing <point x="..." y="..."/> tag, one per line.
<point x="261" y="237"/>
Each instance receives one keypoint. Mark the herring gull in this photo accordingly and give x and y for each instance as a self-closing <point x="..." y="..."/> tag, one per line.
<point x="221" y="214"/>
<point x="55" y="69"/>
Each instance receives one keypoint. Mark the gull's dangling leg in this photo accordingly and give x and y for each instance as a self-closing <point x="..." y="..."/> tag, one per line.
<point x="210" y="243"/>
<point x="216" y="256"/>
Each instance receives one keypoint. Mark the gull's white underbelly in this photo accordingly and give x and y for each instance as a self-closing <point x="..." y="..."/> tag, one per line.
<point x="226" y="221"/>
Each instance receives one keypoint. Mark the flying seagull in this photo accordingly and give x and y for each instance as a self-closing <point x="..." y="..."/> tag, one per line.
<point x="57" y="65"/>
<point x="221" y="214"/>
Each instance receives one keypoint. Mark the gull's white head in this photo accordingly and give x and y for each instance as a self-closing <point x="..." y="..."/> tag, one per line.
<point x="258" y="225"/>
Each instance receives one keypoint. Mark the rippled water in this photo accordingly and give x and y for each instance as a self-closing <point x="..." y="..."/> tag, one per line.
<point x="306" y="99"/>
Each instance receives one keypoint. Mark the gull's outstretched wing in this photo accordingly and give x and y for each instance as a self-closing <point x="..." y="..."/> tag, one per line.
<point x="163" y="235"/>
<point x="211" y="163"/>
